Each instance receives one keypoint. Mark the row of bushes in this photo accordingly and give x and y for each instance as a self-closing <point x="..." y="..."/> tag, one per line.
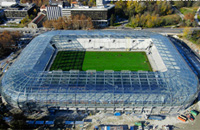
<point x="149" y="21"/>
<point x="8" y="42"/>
<point x="72" y="23"/>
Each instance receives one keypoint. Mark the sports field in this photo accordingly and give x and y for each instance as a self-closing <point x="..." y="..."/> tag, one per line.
<point x="100" y="61"/>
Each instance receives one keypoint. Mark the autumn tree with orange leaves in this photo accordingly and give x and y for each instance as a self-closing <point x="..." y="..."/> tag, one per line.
<point x="8" y="41"/>
<point x="70" y="23"/>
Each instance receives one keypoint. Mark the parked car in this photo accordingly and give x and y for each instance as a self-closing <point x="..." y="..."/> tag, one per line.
<point x="190" y="116"/>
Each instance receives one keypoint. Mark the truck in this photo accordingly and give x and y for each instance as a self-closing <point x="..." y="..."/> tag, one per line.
<point x="190" y="116"/>
<point x="132" y="127"/>
<point x="194" y="112"/>
<point x="182" y="118"/>
<point x="138" y="123"/>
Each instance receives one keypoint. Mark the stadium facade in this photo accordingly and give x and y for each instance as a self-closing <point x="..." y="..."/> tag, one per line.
<point x="170" y="87"/>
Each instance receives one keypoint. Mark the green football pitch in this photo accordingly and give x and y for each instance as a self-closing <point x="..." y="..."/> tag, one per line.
<point x="100" y="61"/>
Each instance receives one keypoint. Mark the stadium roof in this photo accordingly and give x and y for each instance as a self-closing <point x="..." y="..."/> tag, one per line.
<point x="27" y="83"/>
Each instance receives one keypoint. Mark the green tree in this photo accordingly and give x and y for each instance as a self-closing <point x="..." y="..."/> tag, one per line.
<point x="198" y="41"/>
<point x="196" y="4"/>
<point x="179" y="4"/>
<point x="188" y="23"/>
<point x="194" y="24"/>
<point x="35" y="12"/>
<point x="24" y="20"/>
<point x="112" y="20"/>
<point x="171" y="19"/>
<point x="186" y="31"/>
<point x="130" y="10"/>
<point x="92" y="3"/>
<point x="120" y="9"/>
<point x="139" y="7"/>
<point x="32" y="17"/>
<point x="146" y="20"/>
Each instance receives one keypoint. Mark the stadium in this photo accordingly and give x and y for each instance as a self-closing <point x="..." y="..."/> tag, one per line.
<point x="96" y="70"/>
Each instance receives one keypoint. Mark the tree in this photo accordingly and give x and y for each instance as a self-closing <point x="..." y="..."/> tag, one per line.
<point x="68" y="23"/>
<point x="8" y="41"/>
<point x="16" y="35"/>
<point x="92" y="3"/>
<point x="146" y="20"/>
<point x="89" y="23"/>
<point x="188" y="23"/>
<point x="186" y="31"/>
<point x="130" y="11"/>
<point x="35" y="12"/>
<point x="198" y="41"/>
<point x="37" y="2"/>
<point x="47" y="24"/>
<point x="84" y="3"/>
<point x="32" y="17"/>
<point x="179" y="4"/>
<point x="120" y="8"/>
<point x="57" y="24"/>
<point x="76" y="22"/>
<point x="83" y="20"/>
<point x="194" y="24"/>
<point x="189" y="16"/>
<point x="196" y="4"/>
<point x="112" y="20"/>
<point x="19" y="122"/>
<point x="24" y="20"/>
<point x="139" y="7"/>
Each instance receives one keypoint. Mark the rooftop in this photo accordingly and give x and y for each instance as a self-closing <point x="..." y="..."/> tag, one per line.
<point x="27" y="80"/>
<point x="20" y="7"/>
<point x="37" y="19"/>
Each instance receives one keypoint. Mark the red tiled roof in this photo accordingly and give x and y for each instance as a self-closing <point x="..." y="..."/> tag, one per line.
<point x="37" y="19"/>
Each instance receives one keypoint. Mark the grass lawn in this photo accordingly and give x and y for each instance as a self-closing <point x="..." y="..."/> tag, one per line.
<point x="117" y="24"/>
<point x="101" y="61"/>
<point x="185" y="10"/>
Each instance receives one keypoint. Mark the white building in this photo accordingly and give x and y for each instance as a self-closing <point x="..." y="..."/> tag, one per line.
<point x="7" y="3"/>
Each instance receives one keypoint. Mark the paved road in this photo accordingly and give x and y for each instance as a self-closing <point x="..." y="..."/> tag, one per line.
<point x="165" y="30"/>
<point x="189" y="126"/>
<point x="17" y="29"/>
<point x="158" y="30"/>
<point x="26" y="30"/>
<point x="169" y="30"/>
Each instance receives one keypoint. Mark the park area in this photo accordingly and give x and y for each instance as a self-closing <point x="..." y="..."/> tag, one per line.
<point x="100" y="61"/>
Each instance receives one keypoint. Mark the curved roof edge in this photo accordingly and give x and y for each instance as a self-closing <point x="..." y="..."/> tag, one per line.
<point x="181" y="83"/>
